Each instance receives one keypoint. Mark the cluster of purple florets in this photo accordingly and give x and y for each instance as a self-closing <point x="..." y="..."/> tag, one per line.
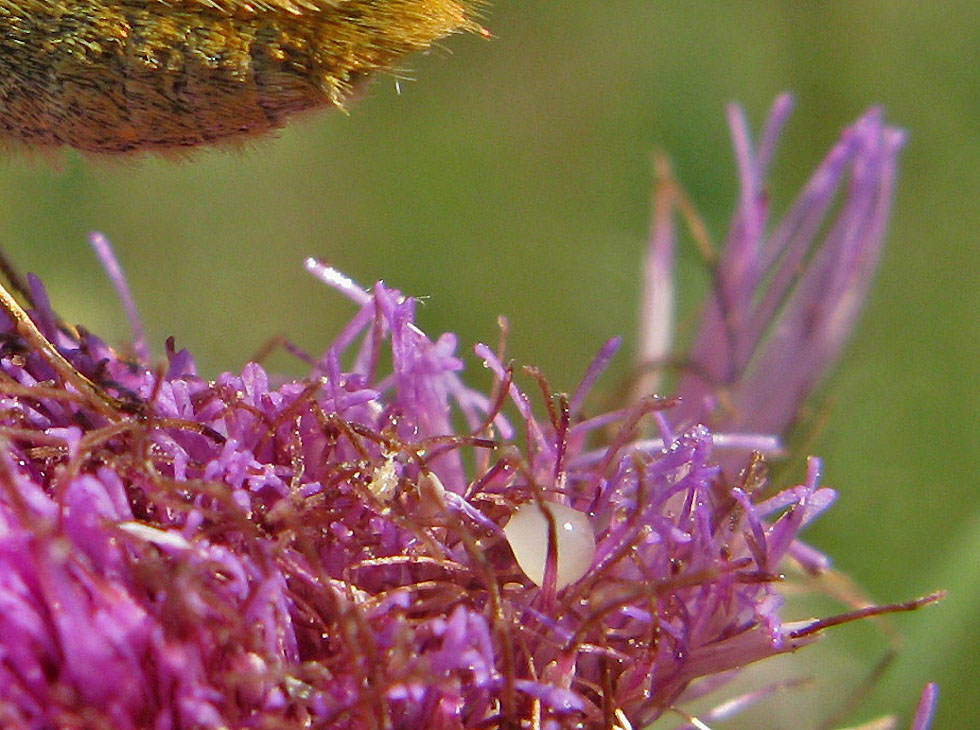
<point x="241" y="555"/>
<point x="329" y="552"/>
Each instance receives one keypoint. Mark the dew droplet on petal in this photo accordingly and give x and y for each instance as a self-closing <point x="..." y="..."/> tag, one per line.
<point x="527" y="533"/>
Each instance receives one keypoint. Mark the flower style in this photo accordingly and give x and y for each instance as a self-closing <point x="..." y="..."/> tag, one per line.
<point x="331" y="552"/>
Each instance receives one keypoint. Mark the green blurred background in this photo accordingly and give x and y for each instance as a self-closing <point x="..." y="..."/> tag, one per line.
<point x="514" y="177"/>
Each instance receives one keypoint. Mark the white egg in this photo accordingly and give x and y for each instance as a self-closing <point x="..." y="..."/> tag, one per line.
<point x="527" y="533"/>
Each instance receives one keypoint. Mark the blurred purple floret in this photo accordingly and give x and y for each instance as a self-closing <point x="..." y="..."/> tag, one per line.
<point x="785" y="297"/>
<point x="329" y="552"/>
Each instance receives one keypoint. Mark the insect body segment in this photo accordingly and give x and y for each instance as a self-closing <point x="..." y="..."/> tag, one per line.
<point x="129" y="75"/>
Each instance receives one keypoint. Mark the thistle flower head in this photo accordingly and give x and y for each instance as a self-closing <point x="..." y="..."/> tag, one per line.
<point x="342" y="551"/>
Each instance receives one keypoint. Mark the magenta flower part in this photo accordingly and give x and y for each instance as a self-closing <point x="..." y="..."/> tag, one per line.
<point x="785" y="297"/>
<point x="333" y="551"/>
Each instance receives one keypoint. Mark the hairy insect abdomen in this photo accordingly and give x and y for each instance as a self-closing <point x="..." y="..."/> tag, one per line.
<point x="126" y="76"/>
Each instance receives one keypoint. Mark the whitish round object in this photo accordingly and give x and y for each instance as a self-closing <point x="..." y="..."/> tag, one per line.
<point x="527" y="533"/>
